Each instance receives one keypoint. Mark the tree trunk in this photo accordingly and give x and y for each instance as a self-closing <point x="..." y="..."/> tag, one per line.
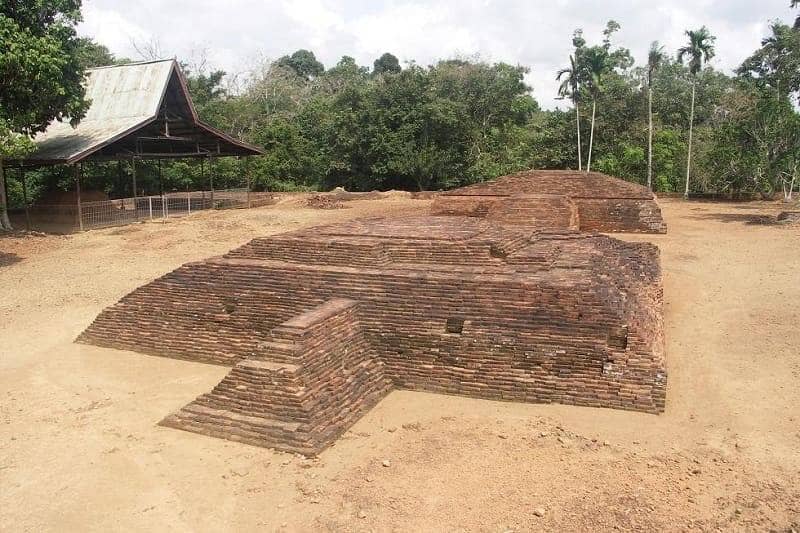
<point x="578" y="121"/>
<point x="689" y="156"/>
<point x="650" y="137"/>
<point x="5" y="223"/>
<point x="591" y="138"/>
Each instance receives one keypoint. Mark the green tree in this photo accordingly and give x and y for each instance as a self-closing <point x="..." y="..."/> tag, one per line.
<point x="41" y="73"/>
<point x="776" y="64"/>
<point x="595" y="66"/>
<point x="92" y="54"/>
<point x="304" y="63"/>
<point x="699" y="50"/>
<point x="570" y="88"/>
<point x="207" y="91"/>
<point x="655" y="57"/>
<point x="597" y="63"/>
<point x="386" y="64"/>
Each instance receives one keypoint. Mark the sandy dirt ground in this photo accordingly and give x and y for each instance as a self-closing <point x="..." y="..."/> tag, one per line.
<point x="80" y="449"/>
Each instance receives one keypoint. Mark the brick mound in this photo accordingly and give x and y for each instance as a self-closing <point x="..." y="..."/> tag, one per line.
<point x="788" y="217"/>
<point x="319" y="324"/>
<point x="558" y="198"/>
<point x="324" y="201"/>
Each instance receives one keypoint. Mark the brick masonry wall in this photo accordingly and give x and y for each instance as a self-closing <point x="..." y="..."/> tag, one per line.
<point x="459" y="305"/>
<point x="603" y="203"/>
<point x="315" y="377"/>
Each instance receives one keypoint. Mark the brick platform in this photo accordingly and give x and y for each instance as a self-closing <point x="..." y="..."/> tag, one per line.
<point x="319" y="324"/>
<point x="544" y="199"/>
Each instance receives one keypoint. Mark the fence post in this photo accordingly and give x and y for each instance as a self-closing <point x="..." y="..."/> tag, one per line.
<point x="150" y="206"/>
<point x="164" y="206"/>
<point x="188" y="202"/>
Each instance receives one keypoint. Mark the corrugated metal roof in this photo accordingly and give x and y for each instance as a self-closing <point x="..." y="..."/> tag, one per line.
<point x="123" y="97"/>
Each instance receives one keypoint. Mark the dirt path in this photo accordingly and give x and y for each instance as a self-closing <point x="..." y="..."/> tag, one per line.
<point x="80" y="448"/>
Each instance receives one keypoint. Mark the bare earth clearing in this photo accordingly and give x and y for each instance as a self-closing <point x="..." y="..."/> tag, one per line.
<point x="80" y="448"/>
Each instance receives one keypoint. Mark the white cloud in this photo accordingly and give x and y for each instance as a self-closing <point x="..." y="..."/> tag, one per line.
<point x="535" y="34"/>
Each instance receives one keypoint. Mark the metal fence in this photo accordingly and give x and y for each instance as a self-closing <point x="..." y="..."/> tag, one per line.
<point x="104" y="213"/>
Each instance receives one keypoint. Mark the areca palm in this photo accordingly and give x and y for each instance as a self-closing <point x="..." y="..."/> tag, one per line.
<point x="699" y="50"/>
<point x="570" y="87"/>
<point x="595" y="65"/>
<point x="654" y="59"/>
<point x="796" y="3"/>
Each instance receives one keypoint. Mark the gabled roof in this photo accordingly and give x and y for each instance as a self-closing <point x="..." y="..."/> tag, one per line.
<point x="131" y="98"/>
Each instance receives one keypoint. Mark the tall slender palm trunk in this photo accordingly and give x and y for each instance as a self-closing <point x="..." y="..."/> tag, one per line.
<point x="5" y="223"/>
<point x="591" y="137"/>
<point x="649" y="137"/>
<point x="578" y="121"/>
<point x="689" y="156"/>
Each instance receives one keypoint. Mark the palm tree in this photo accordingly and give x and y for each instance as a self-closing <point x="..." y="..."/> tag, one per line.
<point x="570" y="87"/>
<point x="699" y="50"/>
<point x="595" y="65"/>
<point x="654" y="59"/>
<point x="796" y="3"/>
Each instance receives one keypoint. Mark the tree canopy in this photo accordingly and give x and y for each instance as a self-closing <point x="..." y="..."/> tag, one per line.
<point x="41" y="73"/>
<point x="458" y="120"/>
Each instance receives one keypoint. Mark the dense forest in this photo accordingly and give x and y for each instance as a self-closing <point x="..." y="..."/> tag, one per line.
<point x="409" y="126"/>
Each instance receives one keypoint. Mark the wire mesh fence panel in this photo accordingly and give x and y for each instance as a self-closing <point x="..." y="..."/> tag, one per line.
<point x="53" y="218"/>
<point x="181" y="203"/>
<point x="230" y="198"/>
<point x="103" y="213"/>
<point x="260" y="199"/>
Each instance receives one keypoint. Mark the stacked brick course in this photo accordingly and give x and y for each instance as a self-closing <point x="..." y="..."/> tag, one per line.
<point x="319" y="324"/>
<point x="603" y="203"/>
<point x="305" y="386"/>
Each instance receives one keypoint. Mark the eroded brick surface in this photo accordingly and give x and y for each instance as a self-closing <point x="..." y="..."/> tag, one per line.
<point x="319" y="324"/>
<point x="537" y="198"/>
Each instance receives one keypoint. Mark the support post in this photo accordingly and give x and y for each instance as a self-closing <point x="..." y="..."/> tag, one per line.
<point x="160" y="179"/>
<point x="5" y="223"/>
<point x="25" y="197"/>
<point x="247" y="177"/>
<point x="211" y="179"/>
<point x="203" y="180"/>
<point x="78" y="194"/>
<point x="150" y="206"/>
<point x="133" y="177"/>
<point x="188" y="202"/>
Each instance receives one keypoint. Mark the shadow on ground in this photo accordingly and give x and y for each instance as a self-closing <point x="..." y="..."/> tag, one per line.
<point x="744" y="218"/>
<point x="7" y="259"/>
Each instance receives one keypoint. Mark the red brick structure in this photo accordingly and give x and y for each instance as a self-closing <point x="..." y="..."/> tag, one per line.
<point x="558" y="198"/>
<point x="319" y="324"/>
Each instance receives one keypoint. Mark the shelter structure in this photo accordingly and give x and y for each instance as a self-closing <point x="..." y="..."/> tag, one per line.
<point x="138" y="111"/>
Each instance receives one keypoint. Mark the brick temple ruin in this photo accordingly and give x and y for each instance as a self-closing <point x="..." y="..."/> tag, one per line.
<point x="563" y="199"/>
<point x="318" y="325"/>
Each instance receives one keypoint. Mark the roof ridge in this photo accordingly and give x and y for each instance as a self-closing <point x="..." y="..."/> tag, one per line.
<point x="131" y="64"/>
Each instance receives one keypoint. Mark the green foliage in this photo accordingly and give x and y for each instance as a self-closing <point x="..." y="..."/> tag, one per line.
<point x="699" y="50"/>
<point x="40" y="66"/>
<point x="444" y="125"/>
<point x="776" y="64"/>
<point x="386" y="64"/>
<point x="92" y="54"/>
<point x="757" y="142"/>
<point x="304" y="63"/>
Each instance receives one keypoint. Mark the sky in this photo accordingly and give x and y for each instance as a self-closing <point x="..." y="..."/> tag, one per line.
<point x="236" y="35"/>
